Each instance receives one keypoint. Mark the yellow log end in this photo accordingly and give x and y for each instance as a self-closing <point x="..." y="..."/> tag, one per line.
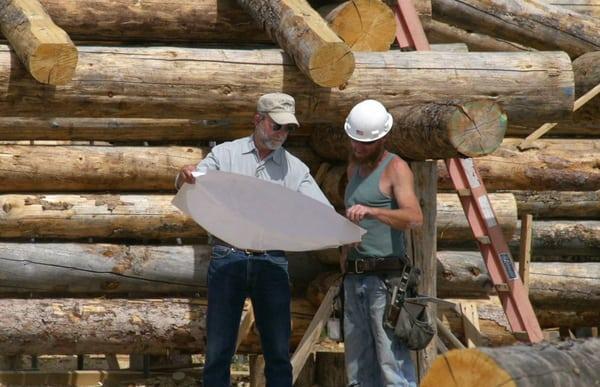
<point x="365" y="25"/>
<point x="466" y="368"/>
<point x="331" y="65"/>
<point x="53" y="63"/>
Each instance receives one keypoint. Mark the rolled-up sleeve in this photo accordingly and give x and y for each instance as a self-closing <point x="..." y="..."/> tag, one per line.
<point x="309" y="187"/>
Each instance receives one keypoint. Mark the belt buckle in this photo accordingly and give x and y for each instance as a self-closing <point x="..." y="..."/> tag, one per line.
<point x="356" y="269"/>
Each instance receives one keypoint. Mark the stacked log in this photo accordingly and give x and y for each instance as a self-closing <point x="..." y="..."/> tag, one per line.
<point x="564" y="364"/>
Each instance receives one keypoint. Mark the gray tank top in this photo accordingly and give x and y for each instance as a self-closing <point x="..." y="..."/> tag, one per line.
<point x="380" y="240"/>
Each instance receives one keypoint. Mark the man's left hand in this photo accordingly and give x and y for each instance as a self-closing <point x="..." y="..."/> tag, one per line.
<point x="358" y="212"/>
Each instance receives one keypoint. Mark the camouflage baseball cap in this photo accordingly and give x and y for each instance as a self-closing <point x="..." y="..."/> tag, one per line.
<point x="279" y="106"/>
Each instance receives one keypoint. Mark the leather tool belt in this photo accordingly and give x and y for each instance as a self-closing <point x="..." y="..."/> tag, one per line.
<point x="374" y="265"/>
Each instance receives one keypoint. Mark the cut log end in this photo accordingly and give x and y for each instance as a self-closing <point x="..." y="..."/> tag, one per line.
<point x="477" y="128"/>
<point x="466" y="368"/>
<point x="365" y="25"/>
<point x="332" y="65"/>
<point x="54" y="63"/>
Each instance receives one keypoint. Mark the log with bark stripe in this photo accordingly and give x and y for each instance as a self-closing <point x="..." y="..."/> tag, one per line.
<point x="213" y="83"/>
<point x="216" y="21"/>
<point x="153" y="217"/>
<point x="532" y="23"/>
<point x="156" y="326"/>
<point x="572" y="363"/>
<point x="102" y="168"/>
<point x="152" y="326"/>
<point x="559" y="204"/>
<point x="586" y="7"/>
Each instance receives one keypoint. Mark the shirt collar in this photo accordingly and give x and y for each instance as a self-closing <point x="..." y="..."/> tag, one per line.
<point x="277" y="155"/>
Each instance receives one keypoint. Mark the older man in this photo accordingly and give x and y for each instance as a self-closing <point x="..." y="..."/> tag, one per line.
<point x="379" y="197"/>
<point x="234" y="274"/>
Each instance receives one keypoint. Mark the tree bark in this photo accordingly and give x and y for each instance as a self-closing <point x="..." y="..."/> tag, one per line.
<point x="529" y="22"/>
<point x="364" y="25"/>
<point x="431" y="131"/>
<point x="563" y="237"/>
<point x="551" y="238"/>
<point x="102" y="168"/>
<point x="151" y="326"/>
<point x="43" y="47"/>
<point x="163" y="21"/>
<point x="561" y="165"/>
<point x="153" y="217"/>
<point x="129" y="82"/>
<point x="572" y="363"/>
<point x="73" y="269"/>
<point x="585" y="7"/>
<point x="301" y="32"/>
<point x="438" y="32"/>
<point x="559" y="205"/>
<point x="554" y="286"/>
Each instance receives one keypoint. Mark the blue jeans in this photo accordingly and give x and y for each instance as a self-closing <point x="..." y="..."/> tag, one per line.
<point x="232" y="276"/>
<point x="374" y="356"/>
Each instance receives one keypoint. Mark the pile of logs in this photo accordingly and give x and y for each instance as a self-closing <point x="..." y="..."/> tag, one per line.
<point x="88" y="234"/>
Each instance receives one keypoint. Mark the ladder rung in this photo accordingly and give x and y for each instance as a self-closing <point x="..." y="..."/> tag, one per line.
<point x="484" y="239"/>
<point x="502" y="288"/>
<point x="464" y="192"/>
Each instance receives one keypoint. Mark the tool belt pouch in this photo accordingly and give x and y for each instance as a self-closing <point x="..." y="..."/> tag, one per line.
<point x="413" y="326"/>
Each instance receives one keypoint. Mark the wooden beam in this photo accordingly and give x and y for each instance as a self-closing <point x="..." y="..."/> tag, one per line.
<point x="246" y="324"/>
<point x="311" y="336"/>
<point x="470" y="319"/>
<point x="212" y="84"/>
<point x="43" y="47"/>
<point x="525" y="249"/>
<point x="301" y="32"/>
<point x="447" y="333"/>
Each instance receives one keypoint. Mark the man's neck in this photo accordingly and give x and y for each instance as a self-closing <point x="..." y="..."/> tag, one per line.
<point x="366" y="170"/>
<point x="263" y="151"/>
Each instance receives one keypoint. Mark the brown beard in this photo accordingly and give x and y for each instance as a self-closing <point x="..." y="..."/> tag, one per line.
<point x="370" y="161"/>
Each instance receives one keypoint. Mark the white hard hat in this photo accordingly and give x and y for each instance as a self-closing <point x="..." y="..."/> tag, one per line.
<point x="368" y="121"/>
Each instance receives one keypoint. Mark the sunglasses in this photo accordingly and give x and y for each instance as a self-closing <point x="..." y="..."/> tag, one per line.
<point x="277" y="127"/>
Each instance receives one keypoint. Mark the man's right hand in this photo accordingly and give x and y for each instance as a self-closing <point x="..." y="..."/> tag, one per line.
<point x="185" y="175"/>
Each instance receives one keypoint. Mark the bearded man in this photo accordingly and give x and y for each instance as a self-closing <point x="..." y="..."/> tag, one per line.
<point x="234" y="274"/>
<point x="379" y="197"/>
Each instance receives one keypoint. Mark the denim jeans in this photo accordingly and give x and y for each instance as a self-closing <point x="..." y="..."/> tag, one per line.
<point x="232" y="276"/>
<point x="374" y="356"/>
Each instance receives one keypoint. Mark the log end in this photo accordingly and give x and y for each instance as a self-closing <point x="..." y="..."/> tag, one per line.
<point x="331" y="65"/>
<point x="364" y="25"/>
<point x="53" y="63"/>
<point x="477" y="128"/>
<point x="466" y="368"/>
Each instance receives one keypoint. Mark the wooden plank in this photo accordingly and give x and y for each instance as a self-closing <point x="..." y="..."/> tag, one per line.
<point x="525" y="249"/>
<point x="311" y="336"/>
<point x="246" y="324"/>
<point x="447" y="333"/>
<point x="423" y="245"/>
<point x="470" y="320"/>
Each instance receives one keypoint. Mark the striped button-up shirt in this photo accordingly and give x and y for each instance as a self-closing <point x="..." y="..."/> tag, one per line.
<point x="280" y="167"/>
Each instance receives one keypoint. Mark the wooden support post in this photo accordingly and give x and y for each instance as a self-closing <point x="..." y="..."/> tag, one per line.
<point x="257" y="371"/>
<point x="525" y="249"/>
<point x="43" y="47"/>
<point x="422" y="248"/>
<point x="470" y="320"/>
<point x="245" y="324"/>
<point x="313" y="331"/>
<point x="301" y="32"/>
